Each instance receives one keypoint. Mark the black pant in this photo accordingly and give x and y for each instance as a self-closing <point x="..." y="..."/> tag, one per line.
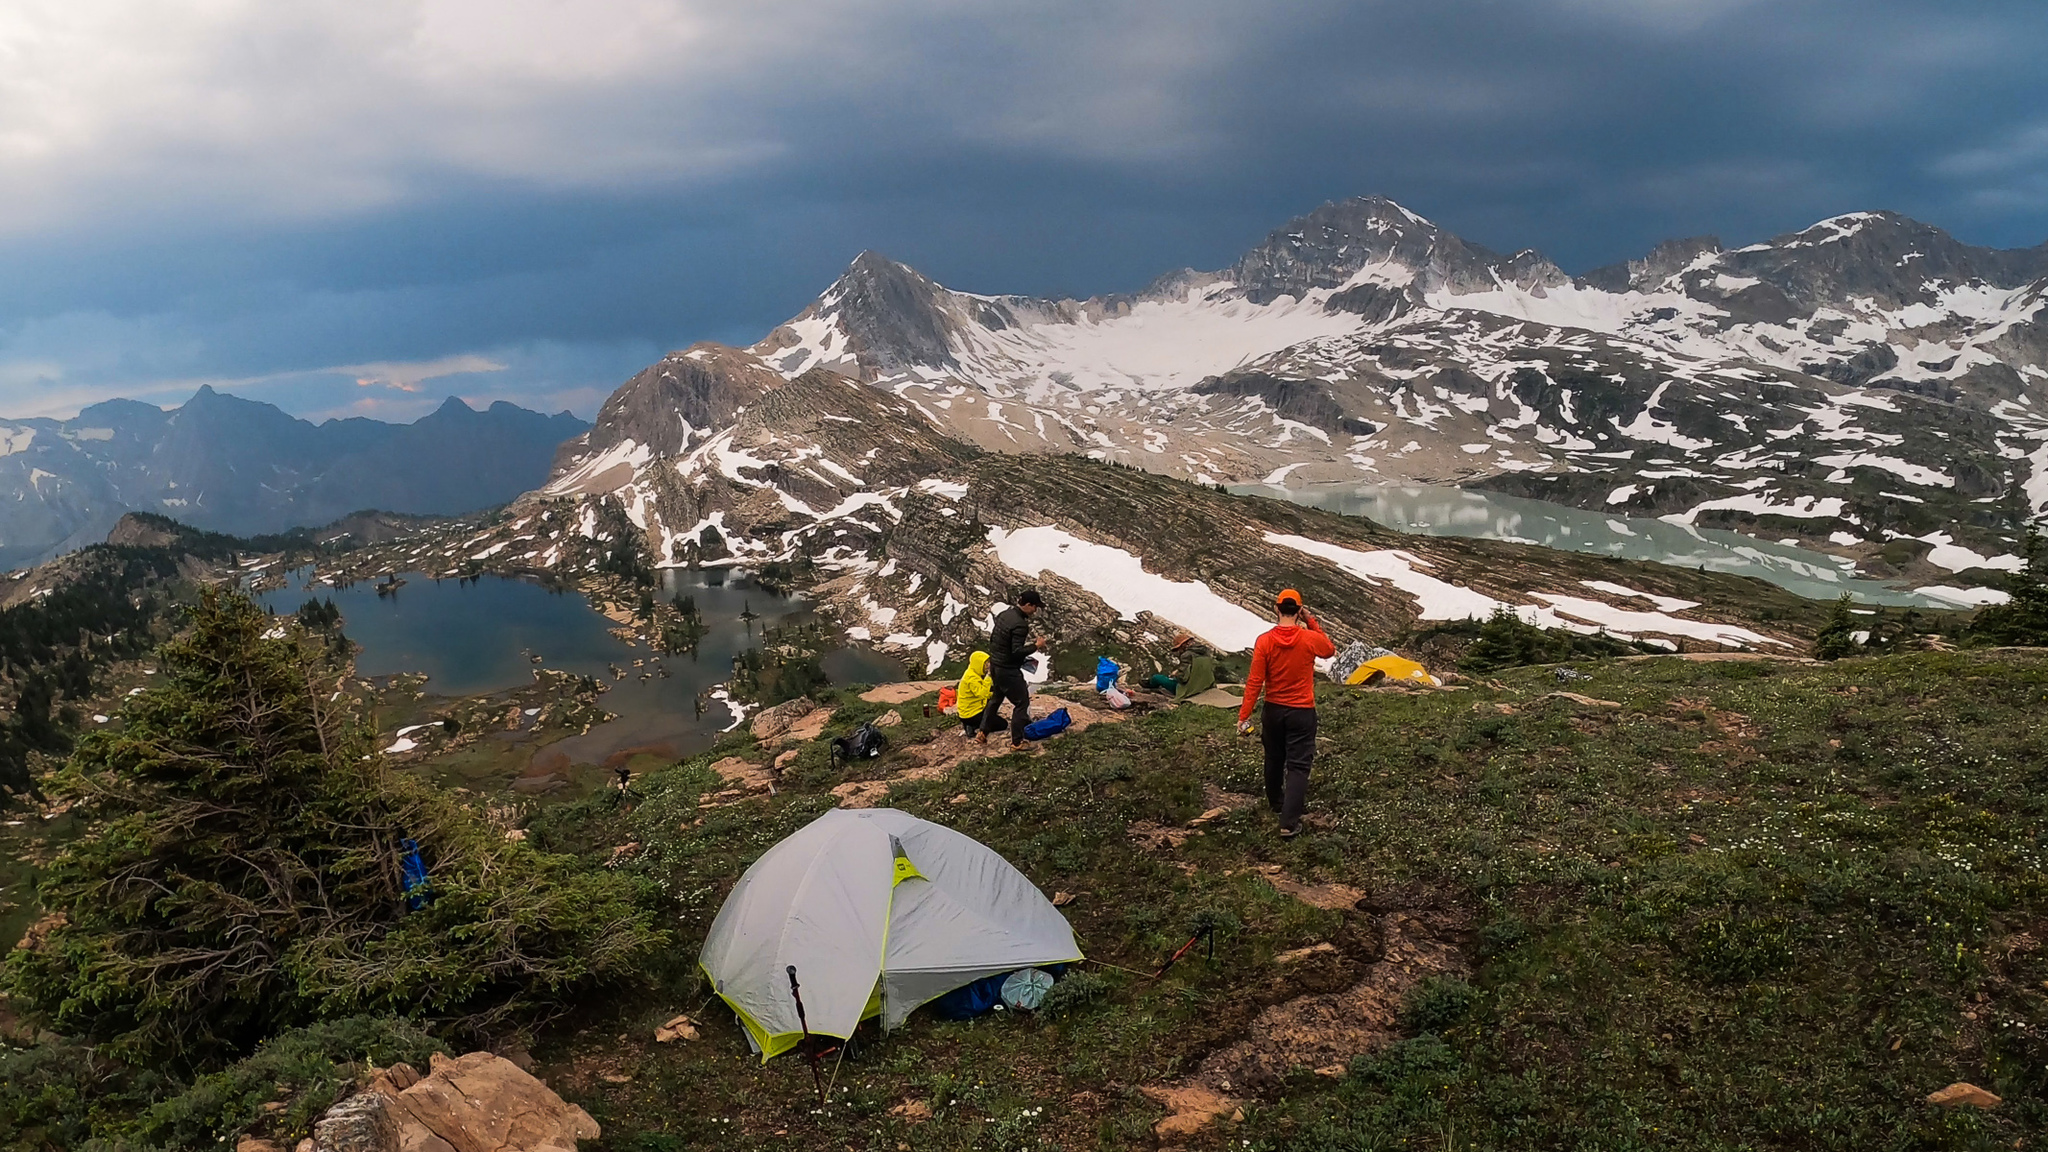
<point x="1009" y="687"/>
<point x="969" y="725"/>
<point x="1290" y="740"/>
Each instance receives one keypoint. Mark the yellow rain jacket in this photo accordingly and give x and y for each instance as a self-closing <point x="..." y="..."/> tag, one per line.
<point x="975" y="687"/>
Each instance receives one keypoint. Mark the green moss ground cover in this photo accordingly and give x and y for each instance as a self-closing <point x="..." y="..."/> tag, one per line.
<point x="1758" y="905"/>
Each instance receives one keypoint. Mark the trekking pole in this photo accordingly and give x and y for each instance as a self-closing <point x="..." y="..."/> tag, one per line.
<point x="1175" y="958"/>
<point x="810" y="1050"/>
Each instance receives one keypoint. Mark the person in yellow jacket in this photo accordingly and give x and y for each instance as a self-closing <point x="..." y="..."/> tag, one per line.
<point x="976" y="687"/>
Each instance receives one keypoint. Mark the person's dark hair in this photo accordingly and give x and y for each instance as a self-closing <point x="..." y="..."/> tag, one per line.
<point x="1289" y="606"/>
<point x="1031" y="597"/>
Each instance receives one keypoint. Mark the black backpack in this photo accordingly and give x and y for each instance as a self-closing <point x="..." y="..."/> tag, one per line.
<point x="863" y="743"/>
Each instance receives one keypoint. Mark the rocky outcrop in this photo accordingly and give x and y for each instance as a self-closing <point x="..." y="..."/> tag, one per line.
<point x="1332" y="244"/>
<point x="475" y="1103"/>
<point x="772" y="723"/>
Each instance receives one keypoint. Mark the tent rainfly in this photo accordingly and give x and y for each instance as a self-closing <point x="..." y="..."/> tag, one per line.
<point x="879" y="912"/>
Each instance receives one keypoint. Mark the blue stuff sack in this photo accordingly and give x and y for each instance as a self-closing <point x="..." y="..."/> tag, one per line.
<point x="1106" y="672"/>
<point x="971" y="1000"/>
<point x="1052" y="725"/>
<point x="417" y="891"/>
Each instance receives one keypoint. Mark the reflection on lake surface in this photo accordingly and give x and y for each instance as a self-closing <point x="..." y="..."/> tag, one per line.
<point x="482" y="637"/>
<point x="1431" y="510"/>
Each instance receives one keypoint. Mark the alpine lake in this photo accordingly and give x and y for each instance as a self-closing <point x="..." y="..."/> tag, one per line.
<point x="1439" y="510"/>
<point x="538" y="665"/>
<point x="532" y="666"/>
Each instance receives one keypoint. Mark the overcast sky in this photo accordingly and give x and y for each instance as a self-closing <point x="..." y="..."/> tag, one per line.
<point x="363" y="206"/>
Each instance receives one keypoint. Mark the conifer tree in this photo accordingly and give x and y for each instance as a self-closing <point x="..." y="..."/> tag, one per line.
<point x="242" y="871"/>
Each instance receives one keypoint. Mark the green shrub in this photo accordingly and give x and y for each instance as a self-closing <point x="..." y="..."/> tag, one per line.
<point x="2023" y="620"/>
<point x="1508" y="641"/>
<point x="307" y="1069"/>
<point x="1077" y="990"/>
<point x="1437" y="1003"/>
<point x="1837" y="638"/>
<point x="240" y="873"/>
<point x="52" y="1094"/>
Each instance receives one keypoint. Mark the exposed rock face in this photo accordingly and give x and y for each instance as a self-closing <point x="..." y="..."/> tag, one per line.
<point x="475" y="1103"/>
<point x="1664" y="261"/>
<point x="1798" y="387"/>
<point x="772" y="723"/>
<point x="1331" y="245"/>
<point x="667" y="409"/>
<point x="361" y="1123"/>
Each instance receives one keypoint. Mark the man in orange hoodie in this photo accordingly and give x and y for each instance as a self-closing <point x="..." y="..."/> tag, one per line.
<point x="1284" y="667"/>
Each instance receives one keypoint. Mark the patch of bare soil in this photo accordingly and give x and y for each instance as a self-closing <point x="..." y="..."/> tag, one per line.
<point x="1330" y="897"/>
<point x="744" y="774"/>
<point x="1322" y="1031"/>
<point x="947" y="749"/>
<point x="861" y="793"/>
<point x="1216" y="804"/>
<point x="903" y="693"/>
<point x="1190" y="1109"/>
<point x="1152" y="836"/>
<point x="810" y="726"/>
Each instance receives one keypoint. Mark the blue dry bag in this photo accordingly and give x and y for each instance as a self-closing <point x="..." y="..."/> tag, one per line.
<point x="1106" y="672"/>
<point x="416" y="891"/>
<point x="1052" y="725"/>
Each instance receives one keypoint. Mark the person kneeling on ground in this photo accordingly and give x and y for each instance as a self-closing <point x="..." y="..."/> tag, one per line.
<point x="972" y="696"/>
<point x="1009" y="645"/>
<point x="1284" y="666"/>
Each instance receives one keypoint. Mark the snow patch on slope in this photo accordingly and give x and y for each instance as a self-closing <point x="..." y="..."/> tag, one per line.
<point x="1120" y="579"/>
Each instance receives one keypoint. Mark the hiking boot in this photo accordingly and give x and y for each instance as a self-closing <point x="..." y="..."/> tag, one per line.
<point x="981" y="738"/>
<point x="1289" y="833"/>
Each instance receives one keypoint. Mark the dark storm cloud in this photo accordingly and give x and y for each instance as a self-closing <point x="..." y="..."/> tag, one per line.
<point x="524" y="208"/>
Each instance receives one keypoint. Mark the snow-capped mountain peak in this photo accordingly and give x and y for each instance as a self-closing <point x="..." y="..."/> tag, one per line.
<point x="1864" y="378"/>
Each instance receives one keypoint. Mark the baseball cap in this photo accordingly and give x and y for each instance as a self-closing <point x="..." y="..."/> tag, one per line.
<point x="1287" y="594"/>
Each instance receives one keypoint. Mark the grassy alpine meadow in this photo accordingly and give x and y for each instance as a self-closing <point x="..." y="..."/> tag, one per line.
<point x="1693" y="905"/>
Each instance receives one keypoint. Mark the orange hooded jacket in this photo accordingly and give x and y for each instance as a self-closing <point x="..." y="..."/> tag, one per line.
<point x="1284" y="665"/>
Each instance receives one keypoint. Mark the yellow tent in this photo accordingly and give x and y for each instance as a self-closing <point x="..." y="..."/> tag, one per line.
<point x="1390" y="667"/>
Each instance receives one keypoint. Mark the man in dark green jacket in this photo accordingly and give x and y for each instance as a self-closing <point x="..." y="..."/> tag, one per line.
<point x="1009" y="645"/>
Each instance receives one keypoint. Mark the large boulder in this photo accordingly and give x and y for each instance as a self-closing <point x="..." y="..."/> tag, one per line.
<point x="475" y="1103"/>
<point x="770" y="723"/>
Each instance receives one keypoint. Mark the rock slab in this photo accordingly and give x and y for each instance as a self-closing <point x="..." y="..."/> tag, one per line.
<point x="1963" y="1093"/>
<point x="475" y="1103"/>
<point x="770" y="723"/>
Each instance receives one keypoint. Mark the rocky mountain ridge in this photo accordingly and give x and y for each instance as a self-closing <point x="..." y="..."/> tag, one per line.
<point x="912" y="538"/>
<point x="906" y="449"/>
<point x="1861" y="386"/>
<point x="232" y="465"/>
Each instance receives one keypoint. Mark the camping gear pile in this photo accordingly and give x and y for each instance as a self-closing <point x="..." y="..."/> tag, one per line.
<point x="865" y="742"/>
<point x="875" y="912"/>
<point x="1107" y="675"/>
<point x="1360" y="665"/>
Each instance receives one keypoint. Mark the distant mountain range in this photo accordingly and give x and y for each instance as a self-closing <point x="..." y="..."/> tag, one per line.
<point x="1863" y="386"/>
<point x="239" y="466"/>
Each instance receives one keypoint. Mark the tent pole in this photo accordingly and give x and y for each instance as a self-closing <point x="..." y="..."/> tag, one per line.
<point x="810" y="1049"/>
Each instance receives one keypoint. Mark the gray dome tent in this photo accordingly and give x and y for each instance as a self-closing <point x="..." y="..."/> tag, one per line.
<point x="879" y="912"/>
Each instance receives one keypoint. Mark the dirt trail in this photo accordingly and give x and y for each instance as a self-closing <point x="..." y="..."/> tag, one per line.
<point x="1322" y="1031"/>
<point x="936" y="758"/>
